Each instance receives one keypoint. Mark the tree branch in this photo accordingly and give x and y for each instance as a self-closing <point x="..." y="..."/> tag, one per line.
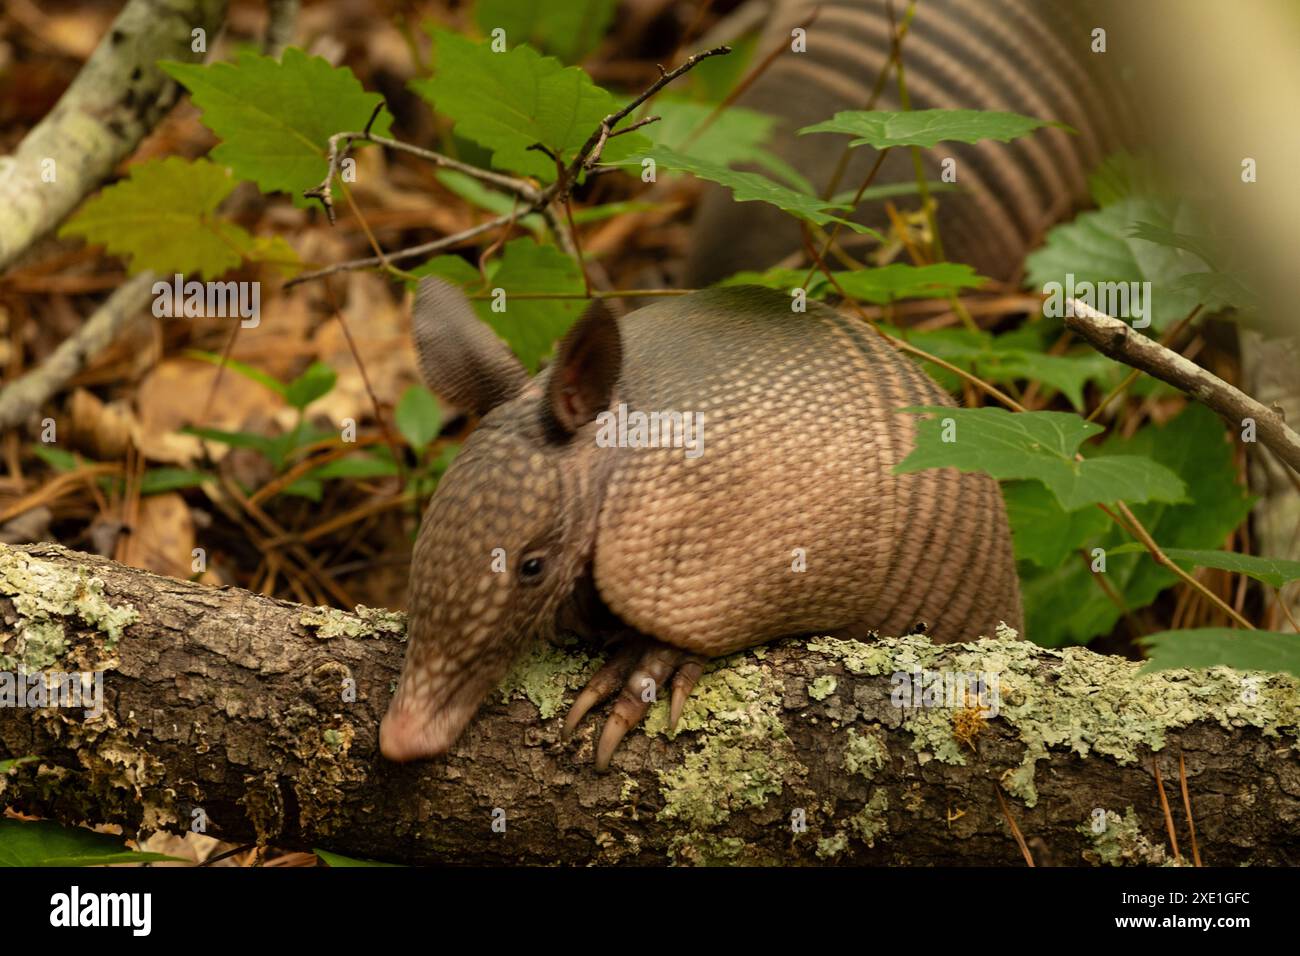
<point x="238" y="710"/>
<point x="1114" y="339"/>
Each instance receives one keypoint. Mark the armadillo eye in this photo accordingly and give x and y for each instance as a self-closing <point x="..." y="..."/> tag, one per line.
<point x="531" y="569"/>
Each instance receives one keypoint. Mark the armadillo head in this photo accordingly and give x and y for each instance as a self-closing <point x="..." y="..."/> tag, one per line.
<point x="512" y="522"/>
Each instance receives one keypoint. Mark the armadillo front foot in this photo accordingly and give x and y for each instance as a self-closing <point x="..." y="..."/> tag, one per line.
<point x="643" y="668"/>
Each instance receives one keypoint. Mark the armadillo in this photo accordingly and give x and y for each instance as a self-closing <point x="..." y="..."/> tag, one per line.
<point x="787" y="520"/>
<point x="791" y="520"/>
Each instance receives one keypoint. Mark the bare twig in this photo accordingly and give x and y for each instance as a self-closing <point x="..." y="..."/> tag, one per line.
<point x="538" y="200"/>
<point x="1113" y="338"/>
<point x="24" y="396"/>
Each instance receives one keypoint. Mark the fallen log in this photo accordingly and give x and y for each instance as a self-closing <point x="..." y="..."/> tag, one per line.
<point x="256" y="719"/>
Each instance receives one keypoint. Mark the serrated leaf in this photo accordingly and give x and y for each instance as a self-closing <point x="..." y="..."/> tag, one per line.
<point x="1065" y="606"/>
<point x="751" y="187"/>
<point x="275" y="118"/>
<point x="509" y="101"/>
<point x="926" y="128"/>
<point x="418" y="417"/>
<point x="1042" y="531"/>
<point x="1097" y="247"/>
<point x="1221" y="647"/>
<point x="733" y="135"/>
<point x="1038" y="446"/>
<point x="529" y="326"/>
<point x="45" y="843"/>
<point x="1274" y="571"/>
<point x="163" y="217"/>
<point x="882" y="285"/>
<point x="570" y="29"/>
<point x="1123" y="176"/>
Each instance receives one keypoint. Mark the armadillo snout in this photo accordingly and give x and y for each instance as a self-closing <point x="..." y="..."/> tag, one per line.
<point x="414" y="733"/>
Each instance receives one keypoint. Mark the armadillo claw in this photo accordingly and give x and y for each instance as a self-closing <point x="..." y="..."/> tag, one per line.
<point x="611" y="676"/>
<point x="652" y="672"/>
<point x="688" y="672"/>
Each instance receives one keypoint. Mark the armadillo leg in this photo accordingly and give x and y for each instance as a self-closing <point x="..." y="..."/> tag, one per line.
<point x="611" y="676"/>
<point x="688" y="672"/>
<point x="639" y="692"/>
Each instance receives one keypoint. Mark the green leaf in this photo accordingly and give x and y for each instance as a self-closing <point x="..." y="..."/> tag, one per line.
<point x="1274" y="571"/>
<point x="1065" y="606"/>
<point x="751" y="187"/>
<point x="355" y="466"/>
<point x="157" y="480"/>
<point x="243" y="368"/>
<point x="882" y="285"/>
<point x="529" y="326"/>
<point x="1127" y="176"/>
<point x="901" y="281"/>
<point x="1221" y="647"/>
<point x="163" y="217"/>
<point x="883" y="128"/>
<point x="316" y="381"/>
<point x="44" y="843"/>
<point x="1041" y="530"/>
<point x="418" y="417"/>
<point x="734" y="135"/>
<point x="338" y="860"/>
<point x="1098" y="247"/>
<point x="1040" y="446"/>
<point x="56" y="458"/>
<point x="305" y="487"/>
<point x="275" y="118"/>
<point x="570" y="29"/>
<point x="7" y="765"/>
<point x="507" y="102"/>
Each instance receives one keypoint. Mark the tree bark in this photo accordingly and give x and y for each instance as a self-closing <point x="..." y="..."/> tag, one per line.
<point x="237" y="711"/>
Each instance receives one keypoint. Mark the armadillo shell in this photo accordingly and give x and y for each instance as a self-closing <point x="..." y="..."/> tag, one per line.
<point x="801" y="432"/>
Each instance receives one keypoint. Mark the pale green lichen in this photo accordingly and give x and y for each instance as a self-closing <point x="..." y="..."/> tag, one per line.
<point x="44" y="594"/>
<point x="745" y="757"/>
<point x="832" y="846"/>
<point x="329" y="622"/>
<point x="865" y="754"/>
<point x="545" y="674"/>
<point x="1091" y="703"/>
<point x="871" y="822"/>
<point x="822" y="687"/>
<point x="707" y="849"/>
<point x="1121" y="842"/>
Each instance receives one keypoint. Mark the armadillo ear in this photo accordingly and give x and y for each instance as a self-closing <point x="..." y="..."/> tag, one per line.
<point x="586" y="368"/>
<point x="461" y="358"/>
